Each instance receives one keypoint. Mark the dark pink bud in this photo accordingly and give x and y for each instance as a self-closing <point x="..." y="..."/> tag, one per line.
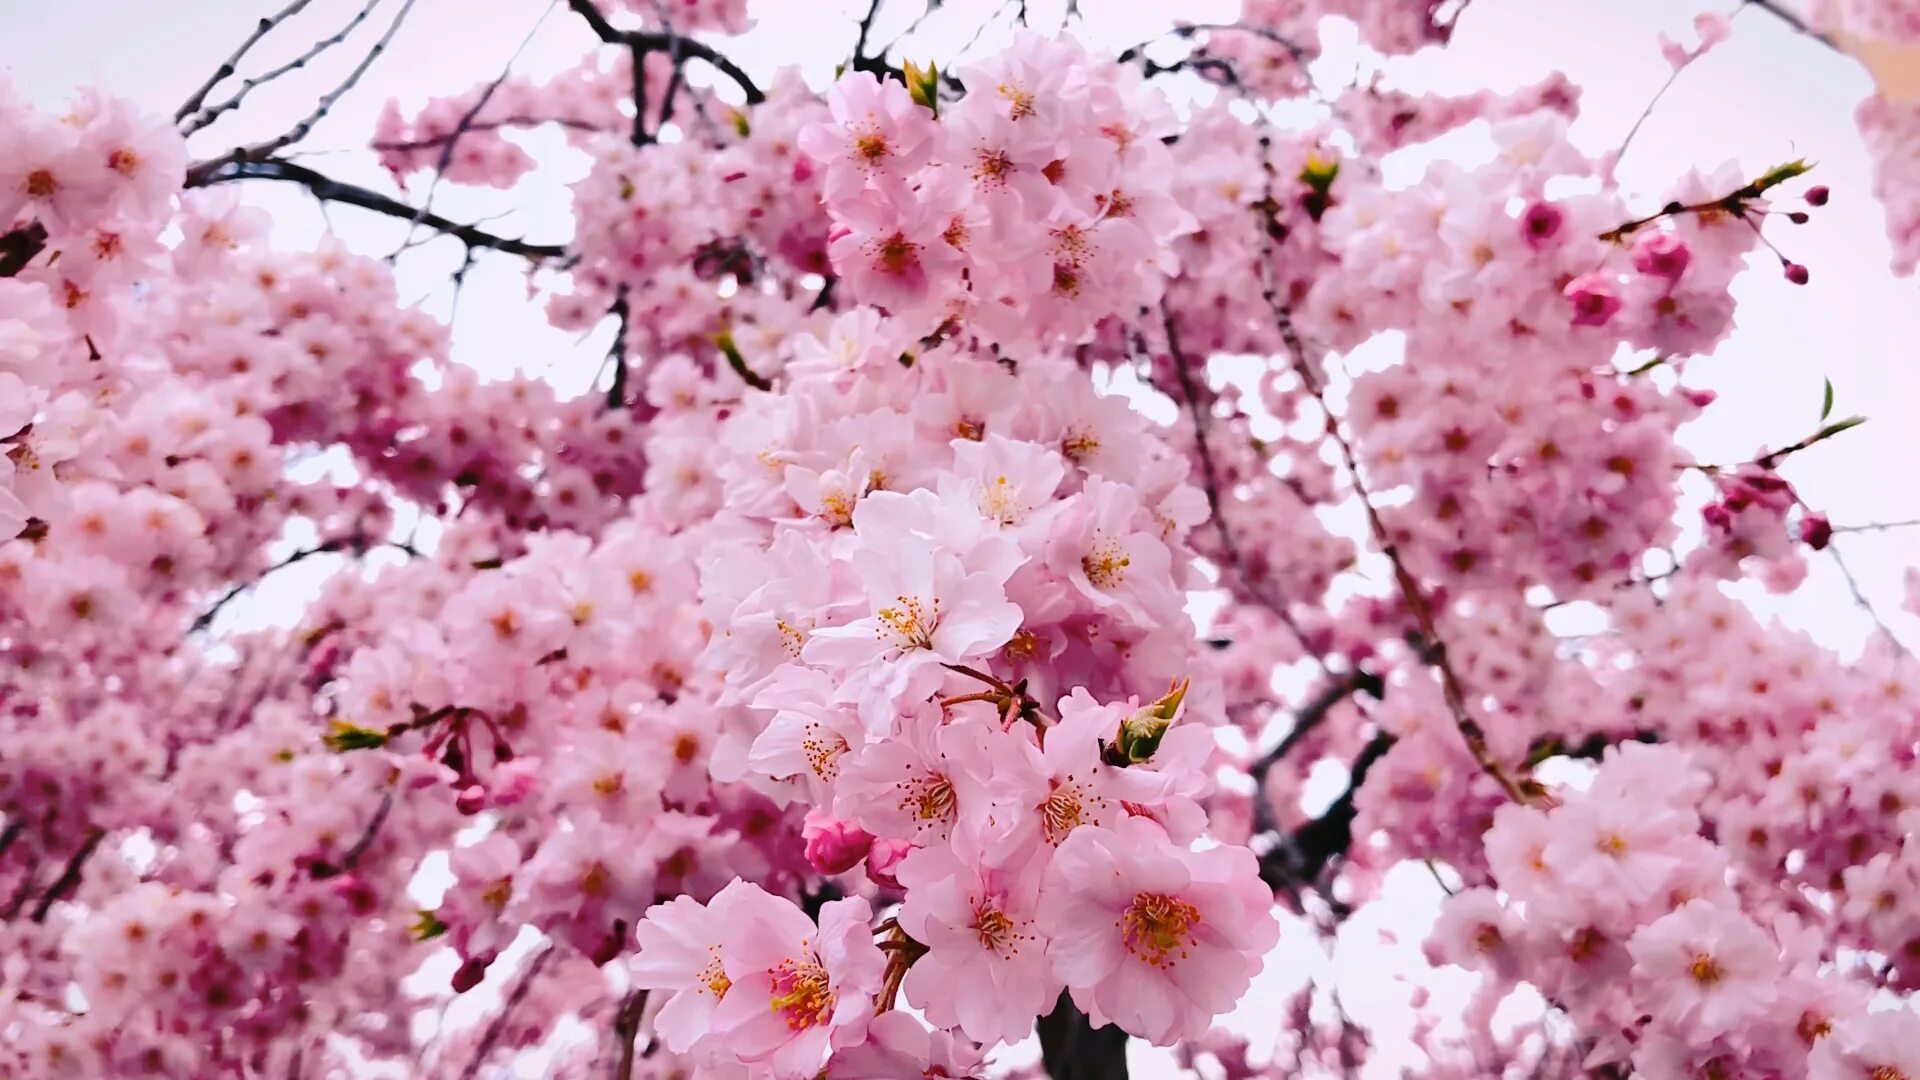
<point x="1594" y="300"/>
<point x="1662" y="255"/>
<point x="834" y="846"/>
<point x="1816" y="531"/>
<point x="1817" y="196"/>
<point x="1701" y="398"/>
<point x="1541" y="224"/>
<point x="1797" y="273"/>
<point x="1717" y="516"/>
<point x="471" y="800"/>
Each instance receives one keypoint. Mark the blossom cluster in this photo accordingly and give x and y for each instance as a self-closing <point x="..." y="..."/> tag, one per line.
<point x="923" y="634"/>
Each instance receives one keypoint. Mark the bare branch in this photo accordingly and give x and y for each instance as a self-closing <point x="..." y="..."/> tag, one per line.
<point x="492" y="1037"/>
<point x="19" y="247"/>
<point x="226" y="70"/>
<point x="327" y="101"/>
<point x="626" y="1028"/>
<point x="213" y="112"/>
<point x="642" y="41"/>
<point x="70" y="876"/>
<point x="242" y="166"/>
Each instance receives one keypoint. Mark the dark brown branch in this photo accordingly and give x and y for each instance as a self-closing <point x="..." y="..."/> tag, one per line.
<point x="330" y="98"/>
<point x="352" y="858"/>
<point x="1793" y="21"/>
<point x="240" y="165"/>
<point x="19" y="247"/>
<point x="248" y="85"/>
<point x="70" y="876"/>
<point x="626" y="1030"/>
<point x="1270" y="599"/>
<point x="1415" y="597"/>
<point x="1303" y="856"/>
<point x="226" y="70"/>
<point x="643" y="42"/>
<point x="492" y="1037"/>
<point x="1071" y="1048"/>
<point x="617" y="392"/>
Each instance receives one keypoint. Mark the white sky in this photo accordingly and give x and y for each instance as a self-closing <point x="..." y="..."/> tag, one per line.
<point x="1765" y="97"/>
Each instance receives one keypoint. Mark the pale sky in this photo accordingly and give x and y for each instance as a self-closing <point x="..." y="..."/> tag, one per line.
<point x="1765" y="97"/>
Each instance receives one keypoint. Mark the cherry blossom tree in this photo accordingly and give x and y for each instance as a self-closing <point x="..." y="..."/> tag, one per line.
<point x="1016" y="473"/>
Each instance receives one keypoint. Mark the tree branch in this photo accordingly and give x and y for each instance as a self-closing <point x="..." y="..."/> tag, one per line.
<point x="1071" y="1048"/>
<point x="70" y="876"/>
<point x="19" y="247"/>
<point x="226" y="70"/>
<point x="626" y="1029"/>
<point x="499" y="1024"/>
<point x="211" y="113"/>
<point x="241" y="165"/>
<point x="642" y="42"/>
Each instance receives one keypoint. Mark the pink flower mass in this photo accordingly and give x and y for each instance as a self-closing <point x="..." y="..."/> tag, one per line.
<point x="1062" y="529"/>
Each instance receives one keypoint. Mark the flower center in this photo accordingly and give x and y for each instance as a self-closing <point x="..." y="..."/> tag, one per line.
<point x="1019" y="100"/>
<point x="870" y="146"/>
<point x="41" y="183"/>
<point x="823" y="749"/>
<point x="909" y="622"/>
<point x="1159" y="928"/>
<point x="928" y="797"/>
<point x="997" y="501"/>
<point x="896" y="254"/>
<point x="714" y="977"/>
<point x="1106" y="565"/>
<point x="995" y="929"/>
<point x="1705" y="969"/>
<point x="1068" y="807"/>
<point x="991" y="167"/>
<point x="801" y="994"/>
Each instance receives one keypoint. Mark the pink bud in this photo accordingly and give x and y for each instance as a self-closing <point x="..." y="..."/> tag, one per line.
<point x="834" y="846"/>
<point x="471" y="800"/>
<point x="1701" y="398"/>
<point x="1817" y="196"/>
<point x="1797" y="274"/>
<point x="1816" y="531"/>
<point x="1662" y="254"/>
<point x="883" y="858"/>
<point x="1717" y="516"/>
<point x="1541" y="224"/>
<point x="1594" y="301"/>
<point x="469" y="974"/>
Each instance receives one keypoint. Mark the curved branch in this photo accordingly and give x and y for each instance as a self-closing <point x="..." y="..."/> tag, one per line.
<point x="240" y="165"/>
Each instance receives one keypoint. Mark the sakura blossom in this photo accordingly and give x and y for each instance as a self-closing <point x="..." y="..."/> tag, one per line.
<point x="1060" y="526"/>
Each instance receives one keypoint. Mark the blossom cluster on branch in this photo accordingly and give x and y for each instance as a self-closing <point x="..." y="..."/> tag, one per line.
<point x="1014" y="483"/>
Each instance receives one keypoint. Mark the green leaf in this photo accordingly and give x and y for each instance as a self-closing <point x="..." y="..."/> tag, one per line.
<point x="1826" y="403"/>
<point x="1836" y="428"/>
<point x="427" y="927"/>
<point x="342" y="737"/>
<point x="1648" y="366"/>
<point x="1780" y="174"/>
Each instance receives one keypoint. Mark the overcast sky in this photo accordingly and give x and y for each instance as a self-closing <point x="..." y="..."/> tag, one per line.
<point x="1766" y="97"/>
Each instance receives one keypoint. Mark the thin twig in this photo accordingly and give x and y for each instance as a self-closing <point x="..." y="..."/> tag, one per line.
<point x="70" y="876"/>
<point x="1793" y="21"/>
<point x="1416" y="599"/>
<point x="499" y="1024"/>
<point x="626" y="1029"/>
<point x="224" y="71"/>
<point x="646" y="41"/>
<point x="248" y="85"/>
<point x="305" y="126"/>
<point x="460" y="129"/>
<point x="1271" y="599"/>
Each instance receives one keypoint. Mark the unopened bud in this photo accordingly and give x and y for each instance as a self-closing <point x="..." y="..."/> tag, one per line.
<point x="1140" y="734"/>
<point x="923" y="85"/>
